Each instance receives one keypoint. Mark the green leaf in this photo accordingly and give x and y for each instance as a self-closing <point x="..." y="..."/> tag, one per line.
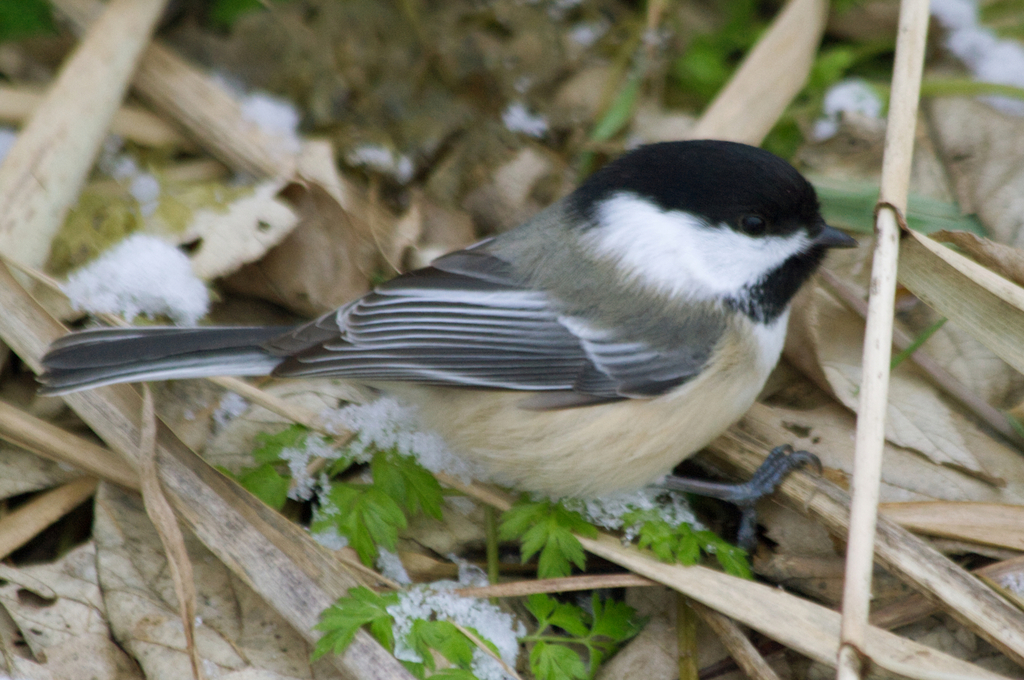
<point x="547" y="527"/>
<point x="621" y="110"/>
<point x="342" y="620"/>
<point x="541" y="606"/>
<point x="265" y="483"/>
<point x="443" y="636"/>
<point x="24" y="18"/>
<point x="270" y="446"/>
<point x="364" y="514"/>
<point x="408" y="483"/>
<point x="556" y="662"/>
<point x="614" y="620"/>
<point x="570" y="618"/>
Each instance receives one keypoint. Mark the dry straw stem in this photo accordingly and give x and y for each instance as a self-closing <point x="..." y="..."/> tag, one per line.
<point x="295" y="575"/>
<point x="874" y="388"/>
<point x="899" y="551"/>
<point x="774" y="72"/>
<point x="43" y="172"/>
<point x="17" y="104"/>
<point x="22" y="525"/>
<point x="938" y="375"/>
<point x="558" y="585"/>
<point x="49" y="441"/>
<point x="162" y="516"/>
<point x="810" y="629"/>
<point x="915" y="607"/>
<point x="204" y="109"/>
<point x="737" y="643"/>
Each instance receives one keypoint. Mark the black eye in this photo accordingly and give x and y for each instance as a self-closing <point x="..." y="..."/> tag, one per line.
<point x="754" y="225"/>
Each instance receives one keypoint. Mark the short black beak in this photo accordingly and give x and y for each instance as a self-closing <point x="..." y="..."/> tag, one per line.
<point x="830" y="237"/>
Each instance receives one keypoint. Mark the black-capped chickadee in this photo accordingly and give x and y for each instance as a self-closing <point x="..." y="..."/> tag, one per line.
<point x="585" y="352"/>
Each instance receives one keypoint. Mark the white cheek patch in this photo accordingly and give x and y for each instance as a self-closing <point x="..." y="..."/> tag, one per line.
<point x="675" y="252"/>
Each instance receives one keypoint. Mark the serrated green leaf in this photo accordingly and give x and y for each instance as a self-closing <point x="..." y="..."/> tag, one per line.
<point x="571" y="619"/>
<point x="365" y="515"/>
<point x="267" y="484"/>
<point x="547" y="528"/>
<point x="556" y="662"/>
<point x="541" y="605"/>
<point x="444" y="637"/>
<point x="408" y="482"/>
<point x="270" y="446"/>
<point x="613" y="619"/>
<point x="342" y="620"/>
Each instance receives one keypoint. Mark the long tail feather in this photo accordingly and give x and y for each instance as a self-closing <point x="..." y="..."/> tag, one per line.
<point x="114" y="355"/>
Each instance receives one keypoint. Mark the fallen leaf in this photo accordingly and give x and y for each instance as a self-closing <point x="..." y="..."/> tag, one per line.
<point x="227" y="239"/>
<point x="982" y="148"/>
<point x="1002" y="259"/>
<point x="60" y="612"/>
<point x="237" y="631"/>
<point x="327" y="259"/>
<point x="831" y="349"/>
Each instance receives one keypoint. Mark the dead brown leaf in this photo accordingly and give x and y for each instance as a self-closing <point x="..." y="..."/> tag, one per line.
<point x="1003" y="259"/>
<point x="982" y="148"/>
<point x="236" y="630"/>
<point x="327" y="260"/>
<point x="60" y="612"/>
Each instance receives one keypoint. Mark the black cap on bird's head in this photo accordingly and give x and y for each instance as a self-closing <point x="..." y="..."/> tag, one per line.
<point x="742" y="187"/>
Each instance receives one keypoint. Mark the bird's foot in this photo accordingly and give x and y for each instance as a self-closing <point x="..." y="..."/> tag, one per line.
<point x="779" y="463"/>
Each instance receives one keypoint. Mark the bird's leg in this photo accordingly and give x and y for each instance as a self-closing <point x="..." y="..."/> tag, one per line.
<point x="779" y="463"/>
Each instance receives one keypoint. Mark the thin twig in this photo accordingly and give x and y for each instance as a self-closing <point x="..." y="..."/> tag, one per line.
<point x="871" y="411"/>
<point x="736" y="643"/>
<point x="558" y="585"/>
<point x="160" y="512"/>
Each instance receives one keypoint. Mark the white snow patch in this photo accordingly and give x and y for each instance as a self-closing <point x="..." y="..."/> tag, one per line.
<point x="608" y="511"/>
<point x="848" y="96"/>
<point x="140" y="275"/>
<point x="7" y="138"/>
<point x="383" y="160"/>
<point x="990" y="58"/>
<point x="390" y="566"/>
<point x="274" y="116"/>
<point x="145" y="188"/>
<point x="437" y="601"/>
<point x="518" y="118"/>
<point x="304" y="486"/>
<point x="385" y="424"/>
<point x="330" y="538"/>
<point x="231" y="406"/>
<point x="588" y="33"/>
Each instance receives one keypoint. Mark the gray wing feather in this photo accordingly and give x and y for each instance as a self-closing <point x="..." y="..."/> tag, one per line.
<point x="469" y="320"/>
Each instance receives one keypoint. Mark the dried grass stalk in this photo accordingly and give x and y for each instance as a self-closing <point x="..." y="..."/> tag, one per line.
<point x="774" y="72"/>
<point x="899" y="551"/>
<point x="22" y="525"/>
<point x="874" y="389"/>
<point x="276" y="558"/>
<point x="17" y="104"/>
<point x="203" y="108"/>
<point x="42" y="174"/>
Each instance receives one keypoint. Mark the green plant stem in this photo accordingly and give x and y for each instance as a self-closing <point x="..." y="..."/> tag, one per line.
<point x="491" y="529"/>
<point x="686" y="631"/>
<point x="916" y="344"/>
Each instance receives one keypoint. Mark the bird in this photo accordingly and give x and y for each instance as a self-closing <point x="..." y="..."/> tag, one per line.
<point x="586" y="352"/>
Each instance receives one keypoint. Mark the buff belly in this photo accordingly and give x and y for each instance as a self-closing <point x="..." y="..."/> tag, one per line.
<point x="592" y="450"/>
